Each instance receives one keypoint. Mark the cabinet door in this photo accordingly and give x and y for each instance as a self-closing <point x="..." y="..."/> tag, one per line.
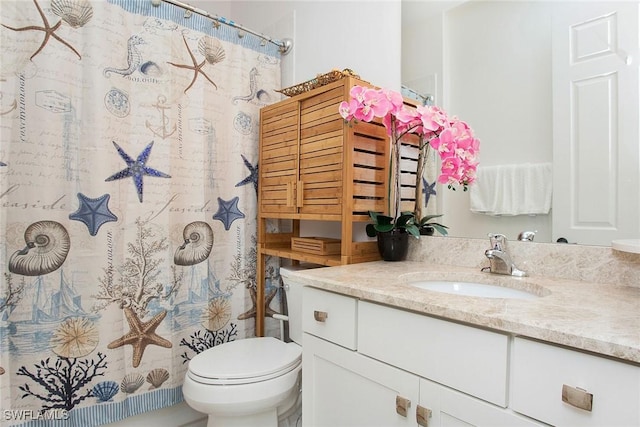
<point x="321" y="154"/>
<point x="278" y="158"/>
<point x="569" y="388"/>
<point x="343" y="388"/>
<point x="449" y="408"/>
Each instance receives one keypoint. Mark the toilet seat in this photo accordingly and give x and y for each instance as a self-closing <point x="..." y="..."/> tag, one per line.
<point x="245" y="361"/>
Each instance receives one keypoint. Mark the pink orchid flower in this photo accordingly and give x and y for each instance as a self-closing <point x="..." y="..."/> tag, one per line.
<point x="451" y="138"/>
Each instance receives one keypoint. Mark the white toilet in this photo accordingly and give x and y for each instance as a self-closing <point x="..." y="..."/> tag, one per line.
<point x="253" y="381"/>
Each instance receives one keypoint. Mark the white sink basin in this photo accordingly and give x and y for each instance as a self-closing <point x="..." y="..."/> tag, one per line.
<point x="473" y="289"/>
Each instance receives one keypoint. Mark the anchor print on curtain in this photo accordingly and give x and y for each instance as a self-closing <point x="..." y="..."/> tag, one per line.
<point x="128" y="200"/>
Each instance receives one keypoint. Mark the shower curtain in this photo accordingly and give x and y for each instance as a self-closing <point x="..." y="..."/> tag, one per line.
<point x="128" y="187"/>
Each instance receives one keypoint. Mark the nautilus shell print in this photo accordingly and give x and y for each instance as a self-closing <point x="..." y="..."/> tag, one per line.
<point x="198" y="241"/>
<point x="47" y="247"/>
<point x="74" y="12"/>
<point x="211" y="49"/>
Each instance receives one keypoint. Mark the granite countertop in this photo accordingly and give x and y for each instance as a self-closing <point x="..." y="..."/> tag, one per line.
<point x="600" y="318"/>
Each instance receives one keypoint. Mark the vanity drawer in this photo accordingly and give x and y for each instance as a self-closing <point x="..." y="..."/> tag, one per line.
<point x="465" y="358"/>
<point x="542" y="373"/>
<point x="330" y="316"/>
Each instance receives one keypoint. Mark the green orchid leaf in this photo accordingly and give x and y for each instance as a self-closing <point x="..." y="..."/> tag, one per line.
<point x="442" y="229"/>
<point x="371" y="230"/>
<point x="406" y="219"/>
<point x="383" y="228"/>
<point x="433" y="224"/>
<point x="377" y="218"/>
<point x="426" y="219"/>
<point x="413" y="230"/>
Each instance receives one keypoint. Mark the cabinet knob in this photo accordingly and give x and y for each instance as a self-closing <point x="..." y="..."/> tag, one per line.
<point x="422" y="416"/>
<point x="320" y="316"/>
<point x="577" y="397"/>
<point x="402" y="405"/>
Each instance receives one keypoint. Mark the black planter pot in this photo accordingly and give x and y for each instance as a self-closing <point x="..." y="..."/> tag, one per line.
<point x="393" y="245"/>
<point x="427" y="230"/>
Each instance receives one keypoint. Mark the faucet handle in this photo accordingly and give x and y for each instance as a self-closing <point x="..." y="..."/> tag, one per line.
<point x="497" y="241"/>
<point x="527" y="236"/>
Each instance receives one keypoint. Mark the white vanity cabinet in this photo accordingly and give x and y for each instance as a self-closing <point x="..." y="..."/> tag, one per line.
<point x="399" y="368"/>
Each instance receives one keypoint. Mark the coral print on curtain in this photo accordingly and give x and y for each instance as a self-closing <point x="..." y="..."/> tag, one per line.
<point x="128" y="187"/>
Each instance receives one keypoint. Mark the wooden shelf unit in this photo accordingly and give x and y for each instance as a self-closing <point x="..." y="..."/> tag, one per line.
<point x="314" y="166"/>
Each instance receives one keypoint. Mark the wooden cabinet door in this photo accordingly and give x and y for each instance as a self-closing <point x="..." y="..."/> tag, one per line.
<point x="279" y="154"/>
<point x="343" y="388"/>
<point x="321" y="154"/>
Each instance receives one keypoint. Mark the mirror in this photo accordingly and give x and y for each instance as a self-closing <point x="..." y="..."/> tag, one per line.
<point x="490" y="63"/>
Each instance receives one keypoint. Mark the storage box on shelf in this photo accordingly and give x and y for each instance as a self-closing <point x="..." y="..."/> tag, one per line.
<point x="315" y="166"/>
<point x="316" y="245"/>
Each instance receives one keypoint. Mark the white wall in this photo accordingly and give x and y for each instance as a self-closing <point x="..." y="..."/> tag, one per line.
<point x="361" y="35"/>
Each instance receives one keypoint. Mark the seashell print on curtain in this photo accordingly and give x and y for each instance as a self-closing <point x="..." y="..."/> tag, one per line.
<point x="128" y="201"/>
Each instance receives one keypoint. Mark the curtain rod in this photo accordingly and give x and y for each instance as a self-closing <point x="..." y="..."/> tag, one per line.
<point x="283" y="45"/>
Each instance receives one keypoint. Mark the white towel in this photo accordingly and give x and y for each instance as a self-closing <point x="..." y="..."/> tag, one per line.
<point x="523" y="189"/>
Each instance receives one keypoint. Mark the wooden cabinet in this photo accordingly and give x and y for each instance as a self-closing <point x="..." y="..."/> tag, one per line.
<point x="399" y="368"/>
<point x="315" y="166"/>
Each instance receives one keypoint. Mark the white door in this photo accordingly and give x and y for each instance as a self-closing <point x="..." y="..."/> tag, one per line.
<point x="596" y="154"/>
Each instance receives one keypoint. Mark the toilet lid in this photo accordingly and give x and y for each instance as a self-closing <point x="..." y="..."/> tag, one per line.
<point x="245" y="361"/>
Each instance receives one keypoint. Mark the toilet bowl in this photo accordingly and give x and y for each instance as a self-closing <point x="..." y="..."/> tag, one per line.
<point x="253" y="381"/>
<point x="248" y="382"/>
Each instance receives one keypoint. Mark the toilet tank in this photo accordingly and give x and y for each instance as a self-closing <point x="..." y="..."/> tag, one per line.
<point x="293" y="291"/>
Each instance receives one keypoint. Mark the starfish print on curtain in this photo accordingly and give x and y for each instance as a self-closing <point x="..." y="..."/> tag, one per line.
<point x="93" y="212"/>
<point x="136" y="168"/>
<point x="140" y="335"/>
<point x="228" y="212"/>
<point x="213" y="53"/>
<point x="253" y="174"/>
<point x="76" y="18"/>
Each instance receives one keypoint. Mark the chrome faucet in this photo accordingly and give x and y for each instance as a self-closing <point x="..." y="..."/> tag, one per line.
<point x="527" y="236"/>
<point x="499" y="260"/>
